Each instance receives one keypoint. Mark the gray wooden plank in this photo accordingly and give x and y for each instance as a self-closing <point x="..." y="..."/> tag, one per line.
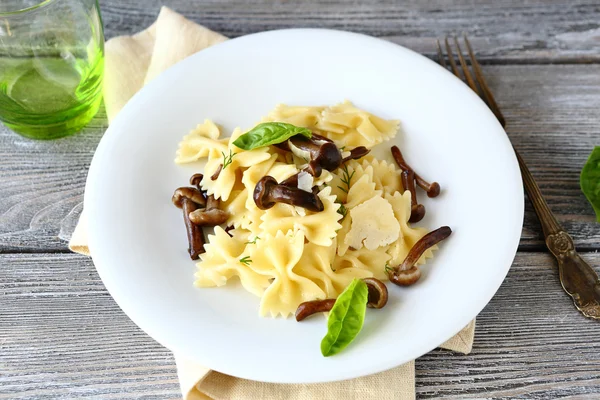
<point x="63" y="337"/>
<point x="507" y="31"/>
<point x="552" y="119"/>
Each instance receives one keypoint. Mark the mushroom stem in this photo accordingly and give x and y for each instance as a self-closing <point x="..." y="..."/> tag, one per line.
<point x="195" y="234"/>
<point x="378" y="293"/>
<point x="309" y="308"/>
<point x="417" y="211"/>
<point x="356" y="153"/>
<point x="189" y="199"/>
<point x="292" y="181"/>
<point x="432" y="189"/>
<point x="215" y="176"/>
<point x="408" y="273"/>
<point x="267" y="193"/>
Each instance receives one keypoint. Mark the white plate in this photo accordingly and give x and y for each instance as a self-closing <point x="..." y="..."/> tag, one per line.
<point x="138" y="240"/>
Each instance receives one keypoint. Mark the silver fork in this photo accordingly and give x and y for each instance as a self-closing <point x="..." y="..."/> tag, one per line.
<point x="578" y="279"/>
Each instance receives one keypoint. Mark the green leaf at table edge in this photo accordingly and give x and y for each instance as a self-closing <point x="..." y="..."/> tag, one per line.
<point x="346" y="318"/>
<point x="269" y="133"/>
<point x="590" y="180"/>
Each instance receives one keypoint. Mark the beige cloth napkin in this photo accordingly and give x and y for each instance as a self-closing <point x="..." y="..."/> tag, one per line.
<point x="131" y="62"/>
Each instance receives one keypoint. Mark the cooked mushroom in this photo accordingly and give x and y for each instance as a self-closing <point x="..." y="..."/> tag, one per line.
<point x="309" y="308"/>
<point x="432" y="189"/>
<point x="378" y="293"/>
<point x="407" y="277"/>
<point x="211" y="215"/>
<point x="267" y="193"/>
<point x="323" y="153"/>
<point x="189" y="199"/>
<point x="356" y="153"/>
<point x="196" y="179"/>
<point x="215" y="176"/>
<point x="417" y="211"/>
<point x="408" y="273"/>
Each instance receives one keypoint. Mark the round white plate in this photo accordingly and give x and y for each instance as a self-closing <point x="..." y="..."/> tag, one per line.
<point x="138" y="240"/>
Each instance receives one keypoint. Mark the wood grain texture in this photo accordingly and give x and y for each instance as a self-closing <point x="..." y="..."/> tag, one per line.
<point x="552" y="114"/>
<point x="63" y="337"/>
<point x="506" y="31"/>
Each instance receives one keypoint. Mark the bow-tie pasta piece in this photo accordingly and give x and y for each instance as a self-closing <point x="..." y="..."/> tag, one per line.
<point x="228" y="167"/>
<point x="385" y="175"/>
<point x="200" y="142"/>
<point x="282" y="252"/>
<point x="317" y="265"/>
<point x="408" y="235"/>
<point x="318" y="227"/>
<point x="223" y="260"/>
<point x="373" y="261"/>
<point x="306" y="117"/>
<point x="351" y="127"/>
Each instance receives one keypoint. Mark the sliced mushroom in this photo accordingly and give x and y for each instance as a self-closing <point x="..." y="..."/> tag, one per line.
<point x="378" y="293"/>
<point x="432" y="189"/>
<point x="417" y="211"/>
<point x="268" y="192"/>
<point x="408" y="272"/>
<point x="211" y="215"/>
<point x="189" y="199"/>
<point x="356" y="153"/>
<point x="323" y="153"/>
<point x="309" y="308"/>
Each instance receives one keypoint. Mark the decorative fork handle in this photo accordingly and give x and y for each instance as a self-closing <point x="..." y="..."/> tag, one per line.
<point x="577" y="278"/>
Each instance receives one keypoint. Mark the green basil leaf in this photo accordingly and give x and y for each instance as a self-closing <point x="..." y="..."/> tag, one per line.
<point x="345" y="318"/>
<point x="590" y="180"/>
<point x="269" y="133"/>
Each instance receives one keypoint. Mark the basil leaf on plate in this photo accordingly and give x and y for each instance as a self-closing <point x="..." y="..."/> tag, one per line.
<point x="345" y="318"/>
<point x="590" y="180"/>
<point x="269" y="133"/>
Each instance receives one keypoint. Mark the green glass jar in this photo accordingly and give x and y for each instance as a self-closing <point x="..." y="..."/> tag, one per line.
<point x="51" y="66"/>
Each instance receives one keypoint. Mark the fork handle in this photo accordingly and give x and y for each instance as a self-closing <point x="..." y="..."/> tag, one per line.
<point x="577" y="278"/>
<point x="549" y="223"/>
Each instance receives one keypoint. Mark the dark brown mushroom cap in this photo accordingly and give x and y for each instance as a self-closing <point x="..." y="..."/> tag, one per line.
<point x="378" y="293"/>
<point x="262" y="192"/>
<point x="356" y="153"/>
<point x="324" y="154"/>
<point x="189" y="193"/>
<point x="267" y="193"/>
<point x="196" y="179"/>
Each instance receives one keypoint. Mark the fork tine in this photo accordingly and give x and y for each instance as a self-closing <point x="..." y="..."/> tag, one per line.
<point x="465" y="68"/>
<point x="487" y="93"/>
<point x="441" y="55"/>
<point x="451" y="59"/>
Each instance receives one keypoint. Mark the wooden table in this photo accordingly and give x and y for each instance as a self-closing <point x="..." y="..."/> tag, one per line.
<point x="62" y="336"/>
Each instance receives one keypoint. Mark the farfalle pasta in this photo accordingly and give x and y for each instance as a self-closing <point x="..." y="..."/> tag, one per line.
<point x="301" y="218"/>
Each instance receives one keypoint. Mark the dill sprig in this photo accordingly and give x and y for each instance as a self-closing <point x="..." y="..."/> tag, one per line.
<point x="254" y="241"/>
<point x="246" y="260"/>
<point x="388" y="269"/>
<point x="346" y="178"/>
<point x="227" y="159"/>
<point x="342" y="210"/>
